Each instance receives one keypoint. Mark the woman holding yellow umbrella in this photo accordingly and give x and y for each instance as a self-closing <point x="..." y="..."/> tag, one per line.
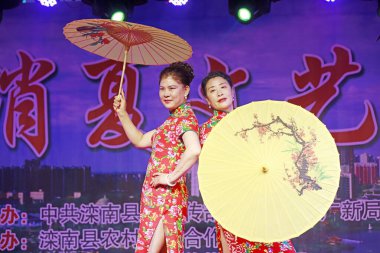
<point x="217" y="89"/>
<point x="175" y="148"/>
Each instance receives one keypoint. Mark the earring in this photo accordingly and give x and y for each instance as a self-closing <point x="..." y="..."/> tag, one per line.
<point x="209" y="106"/>
<point x="233" y="99"/>
<point x="185" y="96"/>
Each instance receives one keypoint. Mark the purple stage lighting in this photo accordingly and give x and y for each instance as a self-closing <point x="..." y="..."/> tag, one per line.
<point x="178" y="2"/>
<point x="48" y="3"/>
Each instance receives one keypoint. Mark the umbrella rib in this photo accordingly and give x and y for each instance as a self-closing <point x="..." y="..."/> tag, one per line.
<point x="150" y="46"/>
<point x="142" y="55"/>
<point x="130" y="52"/>
<point x="120" y="53"/>
<point x="248" y="195"/>
<point x="111" y="48"/>
<point x="151" y="56"/>
<point x="166" y="53"/>
<point x="169" y="37"/>
<point x="287" y="201"/>
<point x="175" y="51"/>
<point x="223" y="202"/>
<point x="265" y="213"/>
<point x="236" y="145"/>
<point x="174" y="43"/>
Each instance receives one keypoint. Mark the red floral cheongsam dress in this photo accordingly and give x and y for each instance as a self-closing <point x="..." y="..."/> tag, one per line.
<point x="237" y="244"/>
<point x="165" y="202"/>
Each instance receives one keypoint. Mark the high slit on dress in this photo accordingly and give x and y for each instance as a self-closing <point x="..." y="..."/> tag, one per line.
<point x="165" y="202"/>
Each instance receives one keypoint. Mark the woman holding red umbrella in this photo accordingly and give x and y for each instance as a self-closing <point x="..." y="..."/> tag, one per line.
<point x="217" y="89"/>
<point x="175" y="148"/>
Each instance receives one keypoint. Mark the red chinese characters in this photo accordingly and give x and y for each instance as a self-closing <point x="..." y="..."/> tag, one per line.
<point x="319" y="86"/>
<point x="8" y="241"/>
<point x="8" y="215"/>
<point x="108" y="131"/>
<point x="26" y="113"/>
<point x="238" y="76"/>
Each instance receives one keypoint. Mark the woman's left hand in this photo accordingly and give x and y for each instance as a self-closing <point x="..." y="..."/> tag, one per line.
<point x="159" y="179"/>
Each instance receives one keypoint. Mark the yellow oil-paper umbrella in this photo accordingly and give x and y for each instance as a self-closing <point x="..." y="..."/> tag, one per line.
<point x="269" y="171"/>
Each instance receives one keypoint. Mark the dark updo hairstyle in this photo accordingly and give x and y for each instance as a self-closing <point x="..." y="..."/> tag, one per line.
<point x="180" y="71"/>
<point x="212" y="75"/>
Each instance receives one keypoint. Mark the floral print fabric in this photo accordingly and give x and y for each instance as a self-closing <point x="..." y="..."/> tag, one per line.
<point x="165" y="202"/>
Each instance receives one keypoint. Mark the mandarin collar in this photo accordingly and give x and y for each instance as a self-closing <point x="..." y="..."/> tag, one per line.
<point x="219" y="113"/>
<point x="178" y="111"/>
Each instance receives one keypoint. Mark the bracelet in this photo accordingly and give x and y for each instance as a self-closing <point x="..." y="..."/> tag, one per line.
<point x="168" y="181"/>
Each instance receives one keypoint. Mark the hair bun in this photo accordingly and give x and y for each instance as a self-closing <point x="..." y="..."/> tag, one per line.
<point x="182" y="70"/>
<point x="185" y="67"/>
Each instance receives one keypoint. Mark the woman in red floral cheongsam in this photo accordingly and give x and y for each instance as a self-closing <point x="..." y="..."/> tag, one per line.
<point x="175" y="148"/>
<point x="217" y="89"/>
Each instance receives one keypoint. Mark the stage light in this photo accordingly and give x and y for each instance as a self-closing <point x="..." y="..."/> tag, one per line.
<point x="244" y="14"/>
<point x="118" y="16"/>
<point x="48" y="3"/>
<point x="178" y="2"/>
<point x="246" y="11"/>
<point x="113" y="9"/>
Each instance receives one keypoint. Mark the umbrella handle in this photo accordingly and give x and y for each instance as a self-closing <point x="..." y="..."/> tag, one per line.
<point x="122" y="73"/>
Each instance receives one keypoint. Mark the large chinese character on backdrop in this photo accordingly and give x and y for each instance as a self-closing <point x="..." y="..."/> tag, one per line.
<point x="319" y="86"/>
<point x="108" y="131"/>
<point x="27" y="107"/>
